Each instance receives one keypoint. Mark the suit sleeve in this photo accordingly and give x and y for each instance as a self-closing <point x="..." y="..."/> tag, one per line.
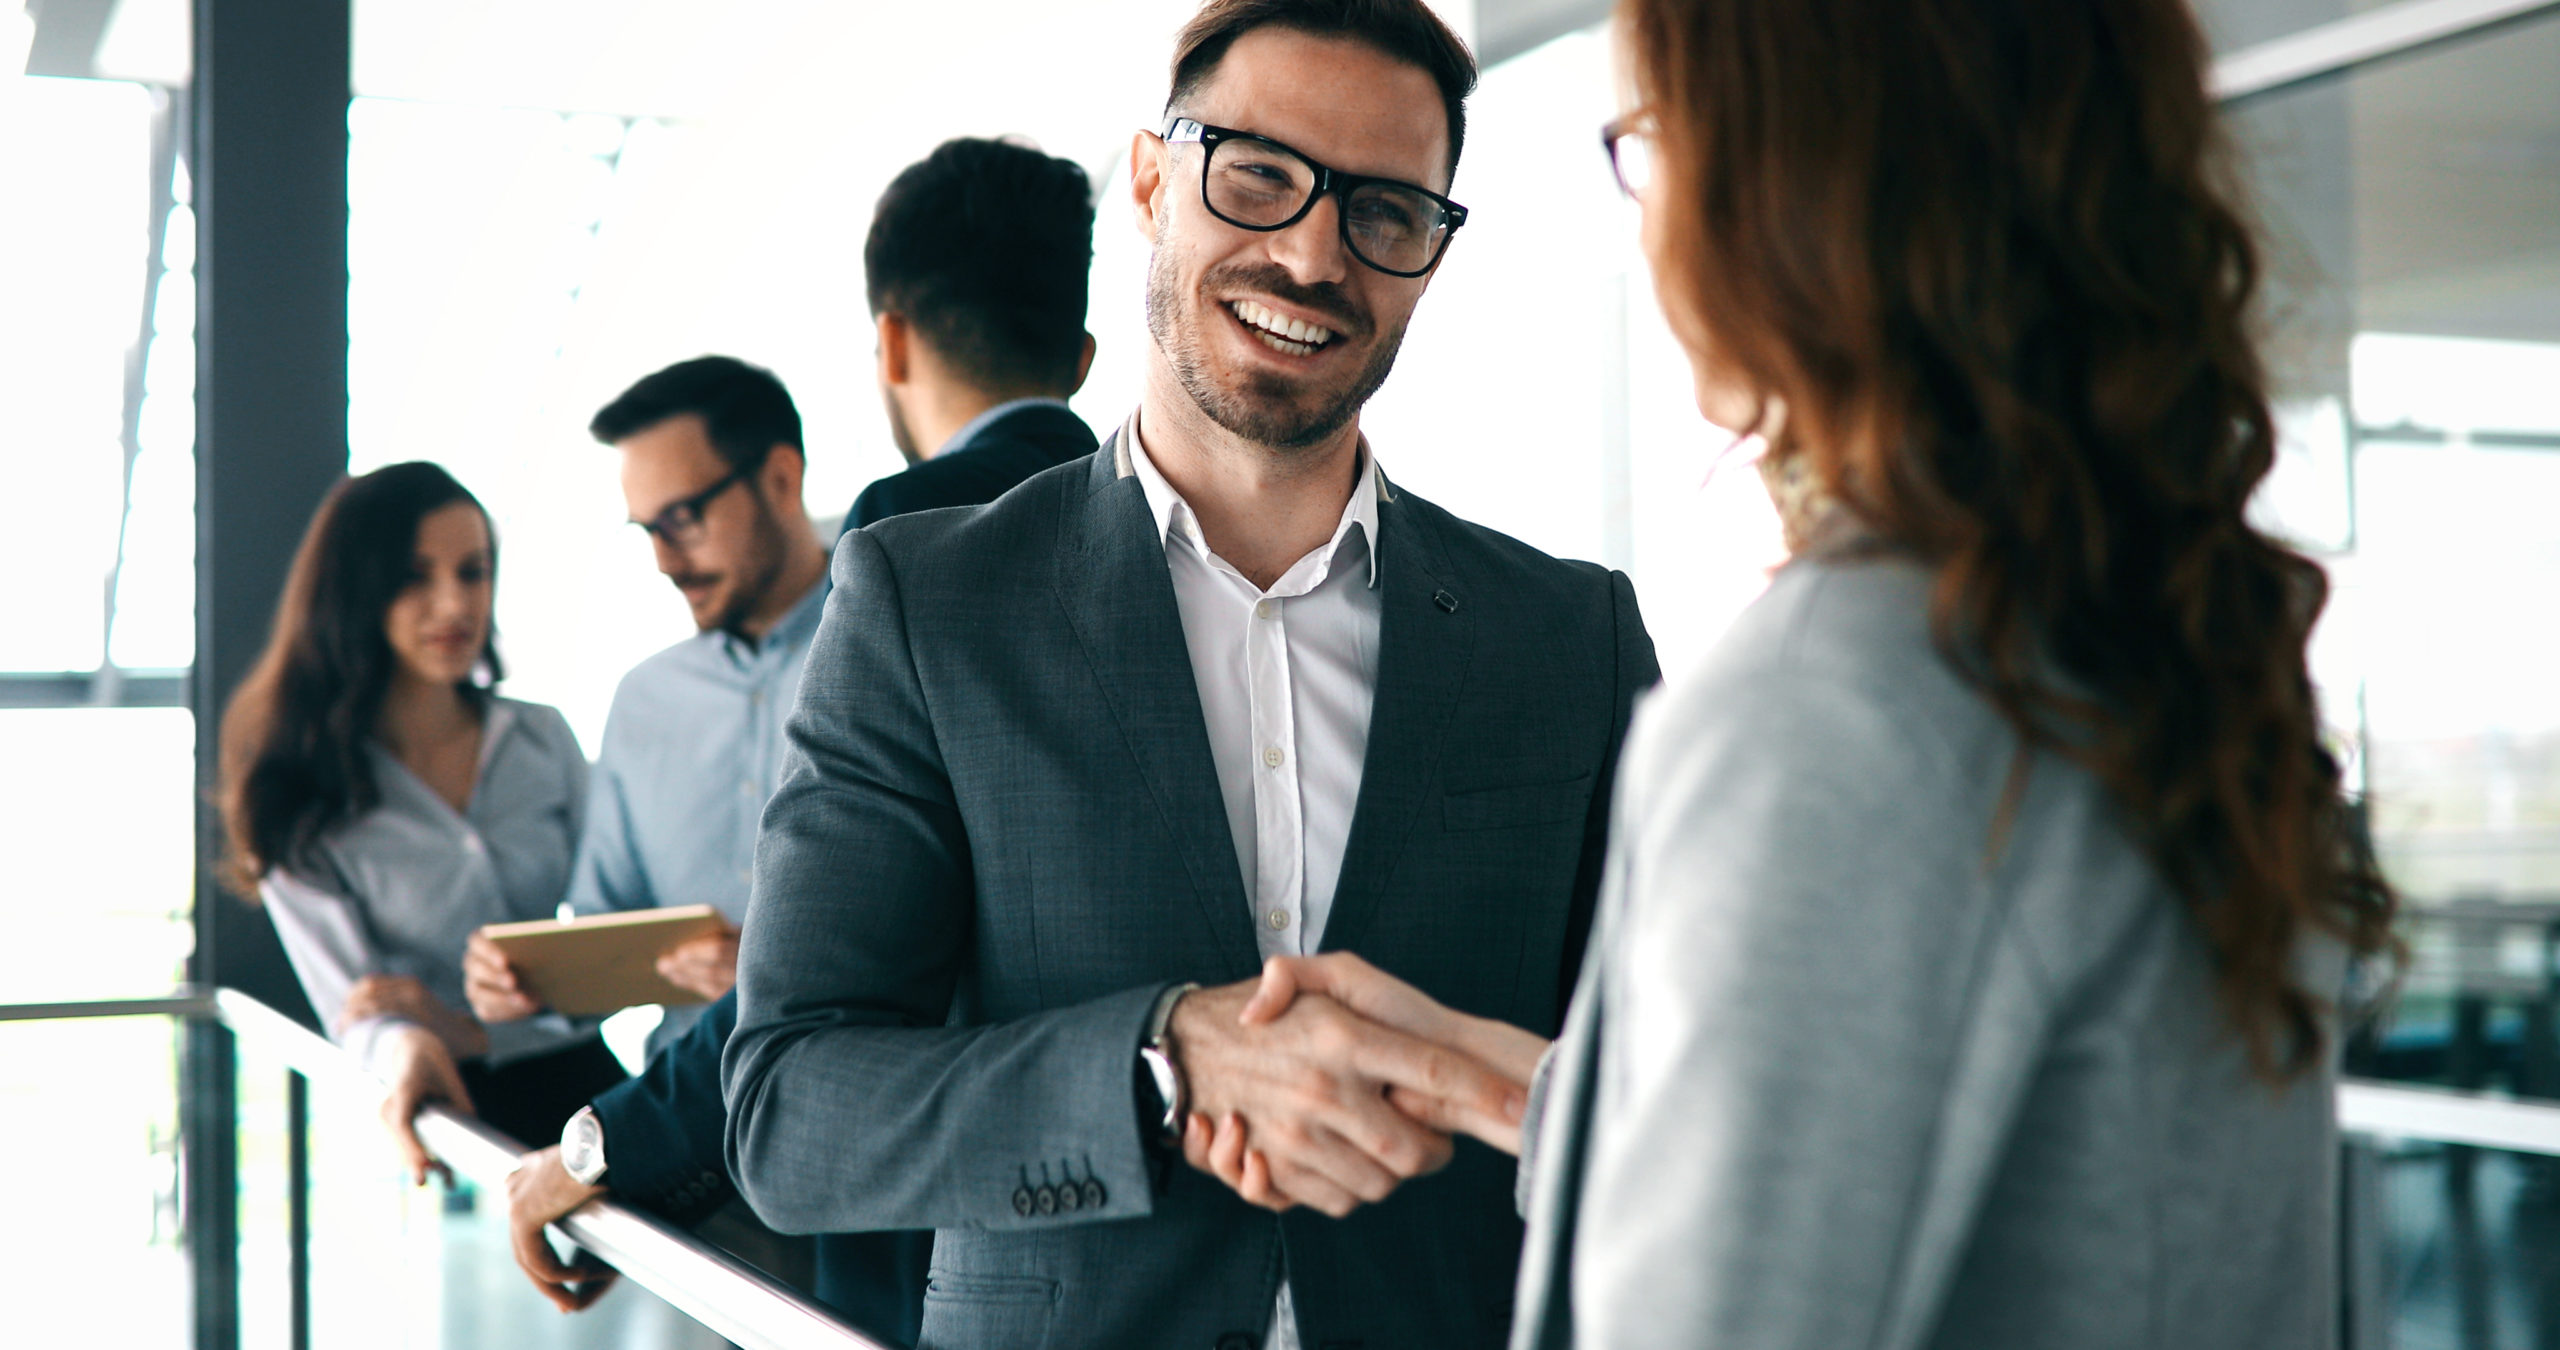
<point x="664" y="1146"/>
<point x="852" y="1105"/>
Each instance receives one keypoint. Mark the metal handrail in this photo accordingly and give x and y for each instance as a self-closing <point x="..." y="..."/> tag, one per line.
<point x="712" y="1287"/>
<point x="2342" y="45"/>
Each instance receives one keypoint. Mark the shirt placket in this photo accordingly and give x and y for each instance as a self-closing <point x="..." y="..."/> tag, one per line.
<point x="1279" y="831"/>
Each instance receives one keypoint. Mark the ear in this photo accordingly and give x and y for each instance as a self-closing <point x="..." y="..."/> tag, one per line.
<point x="783" y="470"/>
<point x="897" y="363"/>
<point x="1147" y="169"/>
<point x="1084" y="365"/>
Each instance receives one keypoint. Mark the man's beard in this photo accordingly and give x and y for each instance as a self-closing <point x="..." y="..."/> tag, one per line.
<point x="757" y="573"/>
<point x="1265" y="411"/>
<point x="899" y="432"/>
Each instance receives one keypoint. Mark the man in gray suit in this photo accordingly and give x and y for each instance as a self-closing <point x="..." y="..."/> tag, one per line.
<point x="1217" y="693"/>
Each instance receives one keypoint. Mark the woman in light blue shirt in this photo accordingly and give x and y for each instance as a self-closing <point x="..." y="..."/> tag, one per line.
<point x="385" y="803"/>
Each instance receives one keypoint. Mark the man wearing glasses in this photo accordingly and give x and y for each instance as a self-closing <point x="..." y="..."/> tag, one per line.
<point x="1066" y="768"/>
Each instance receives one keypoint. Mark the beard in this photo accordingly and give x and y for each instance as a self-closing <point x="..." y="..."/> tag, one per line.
<point x="751" y="578"/>
<point x="1265" y="409"/>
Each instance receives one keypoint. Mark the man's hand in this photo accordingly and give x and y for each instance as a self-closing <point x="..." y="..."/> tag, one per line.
<point x="539" y="1191"/>
<point x="421" y="1070"/>
<point x="402" y="996"/>
<point x="1309" y="1083"/>
<point x="1382" y="998"/>
<point x="491" y="983"/>
<point x="707" y="965"/>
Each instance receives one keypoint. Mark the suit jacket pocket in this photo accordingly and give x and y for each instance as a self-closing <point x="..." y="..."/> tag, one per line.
<point x="1496" y="808"/>
<point x="946" y="1286"/>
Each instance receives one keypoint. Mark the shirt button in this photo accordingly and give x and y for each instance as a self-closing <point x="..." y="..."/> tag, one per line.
<point x="1279" y="919"/>
<point x="1271" y="757"/>
<point x="1266" y="609"/>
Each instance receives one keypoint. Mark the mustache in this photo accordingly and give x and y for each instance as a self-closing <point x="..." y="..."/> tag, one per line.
<point x="685" y="581"/>
<point x="1327" y="299"/>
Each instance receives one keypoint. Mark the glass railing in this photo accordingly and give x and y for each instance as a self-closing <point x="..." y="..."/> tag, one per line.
<point x="262" y="1206"/>
<point x="221" y="1169"/>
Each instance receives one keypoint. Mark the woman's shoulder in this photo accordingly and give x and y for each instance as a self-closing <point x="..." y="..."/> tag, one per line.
<point x="546" y="727"/>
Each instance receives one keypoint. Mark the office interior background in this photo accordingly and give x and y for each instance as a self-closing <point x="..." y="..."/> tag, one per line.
<point x="546" y="198"/>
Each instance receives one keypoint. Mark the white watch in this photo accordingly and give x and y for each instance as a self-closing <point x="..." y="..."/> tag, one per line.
<point x="582" y="1148"/>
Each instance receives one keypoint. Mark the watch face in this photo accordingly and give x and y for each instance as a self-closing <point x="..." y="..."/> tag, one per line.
<point x="582" y="1148"/>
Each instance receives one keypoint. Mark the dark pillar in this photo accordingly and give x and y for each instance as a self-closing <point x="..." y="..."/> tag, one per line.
<point x="268" y="157"/>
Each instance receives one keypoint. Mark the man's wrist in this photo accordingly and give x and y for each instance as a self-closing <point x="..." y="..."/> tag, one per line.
<point x="1160" y="1064"/>
<point x="582" y="1148"/>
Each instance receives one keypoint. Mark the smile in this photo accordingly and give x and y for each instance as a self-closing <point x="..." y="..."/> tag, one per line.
<point x="1295" y="337"/>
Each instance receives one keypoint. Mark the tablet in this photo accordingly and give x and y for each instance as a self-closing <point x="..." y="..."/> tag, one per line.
<point x="598" y="964"/>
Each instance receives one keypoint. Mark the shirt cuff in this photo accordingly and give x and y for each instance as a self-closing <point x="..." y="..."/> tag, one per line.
<point x="366" y="1040"/>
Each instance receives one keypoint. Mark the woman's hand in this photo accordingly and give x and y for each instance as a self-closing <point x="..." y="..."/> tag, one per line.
<point x="401" y="996"/>
<point x="1390" y="1002"/>
<point x="419" y="1070"/>
<point x="489" y="980"/>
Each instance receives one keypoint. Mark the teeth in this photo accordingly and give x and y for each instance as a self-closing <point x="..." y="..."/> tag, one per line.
<point x="1283" y="333"/>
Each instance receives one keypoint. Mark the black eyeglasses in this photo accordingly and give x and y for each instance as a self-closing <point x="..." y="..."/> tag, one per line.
<point x="680" y="523"/>
<point x="1256" y="183"/>
<point x="1629" y="142"/>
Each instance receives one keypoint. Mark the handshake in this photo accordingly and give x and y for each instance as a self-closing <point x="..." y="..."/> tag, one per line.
<point x="1328" y="1082"/>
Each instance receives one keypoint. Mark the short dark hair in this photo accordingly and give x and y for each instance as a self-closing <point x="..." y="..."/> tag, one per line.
<point x="744" y="409"/>
<point x="1404" y="29"/>
<point x="986" y="248"/>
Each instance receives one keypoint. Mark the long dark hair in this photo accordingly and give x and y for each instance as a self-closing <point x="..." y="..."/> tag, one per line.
<point x="1983" y="255"/>
<point x="293" y="739"/>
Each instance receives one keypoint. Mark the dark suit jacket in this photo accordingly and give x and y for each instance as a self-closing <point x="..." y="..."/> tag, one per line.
<point x="999" y="836"/>
<point x="995" y="457"/>
<point x="664" y="1129"/>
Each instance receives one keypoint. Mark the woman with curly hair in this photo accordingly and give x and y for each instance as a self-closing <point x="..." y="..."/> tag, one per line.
<point x="1978" y="912"/>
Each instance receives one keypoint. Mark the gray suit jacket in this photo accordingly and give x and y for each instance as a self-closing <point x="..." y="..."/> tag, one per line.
<point x="1838" y="1077"/>
<point x="1000" y="836"/>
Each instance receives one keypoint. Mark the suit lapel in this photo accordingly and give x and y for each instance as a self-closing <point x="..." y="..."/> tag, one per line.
<point x="1118" y="597"/>
<point x="1426" y="638"/>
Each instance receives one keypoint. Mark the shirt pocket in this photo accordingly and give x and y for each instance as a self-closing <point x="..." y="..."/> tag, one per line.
<point x="1520" y="804"/>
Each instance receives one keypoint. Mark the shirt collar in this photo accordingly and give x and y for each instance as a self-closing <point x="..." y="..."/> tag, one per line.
<point x="792" y="630"/>
<point x="960" y="439"/>
<point x="1174" y="517"/>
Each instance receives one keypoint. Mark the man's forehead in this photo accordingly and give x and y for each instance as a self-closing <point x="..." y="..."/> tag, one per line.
<point x="1335" y="98"/>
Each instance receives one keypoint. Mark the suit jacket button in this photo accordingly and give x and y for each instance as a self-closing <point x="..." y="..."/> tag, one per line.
<point x="1071" y="1197"/>
<point x="1022" y="1202"/>
<point x="1094" y="1195"/>
<point x="1047" y="1196"/>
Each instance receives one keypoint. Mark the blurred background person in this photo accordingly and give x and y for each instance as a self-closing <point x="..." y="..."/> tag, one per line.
<point x="978" y="257"/>
<point x="712" y="468"/>
<point x="1979" y="910"/>
<point x="385" y="801"/>
<point x="977" y="267"/>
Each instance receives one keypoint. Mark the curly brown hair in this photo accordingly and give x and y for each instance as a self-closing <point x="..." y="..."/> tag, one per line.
<point x="1983" y="258"/>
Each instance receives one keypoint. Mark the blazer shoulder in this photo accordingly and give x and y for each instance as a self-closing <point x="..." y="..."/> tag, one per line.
<point x="1015" y="528"/>
<point x="1484" y="553"/>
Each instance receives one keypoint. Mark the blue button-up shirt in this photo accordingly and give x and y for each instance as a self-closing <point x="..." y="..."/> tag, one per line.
<point x="692" y="748"/>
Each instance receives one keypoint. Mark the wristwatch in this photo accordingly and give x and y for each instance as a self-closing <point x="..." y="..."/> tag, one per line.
<point x="582" y="1148"/>
<point x="1156" y="1053"/>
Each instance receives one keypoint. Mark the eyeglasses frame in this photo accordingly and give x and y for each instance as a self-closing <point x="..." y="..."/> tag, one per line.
<point x="667" y="532"/>
<point x="1341" y="184"/>
<point x="1616" y="129"/>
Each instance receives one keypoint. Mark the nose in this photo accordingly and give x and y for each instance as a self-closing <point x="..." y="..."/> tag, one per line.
<point x="670" y="558"/>
<point x="1312" y="249"/>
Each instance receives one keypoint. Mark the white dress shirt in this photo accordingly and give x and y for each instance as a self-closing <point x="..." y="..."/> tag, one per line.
<point x="1287" y="677"/>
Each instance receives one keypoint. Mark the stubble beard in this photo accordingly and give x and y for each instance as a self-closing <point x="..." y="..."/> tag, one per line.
<point x="1267" y="410"/>
<point x="758" y="573"/>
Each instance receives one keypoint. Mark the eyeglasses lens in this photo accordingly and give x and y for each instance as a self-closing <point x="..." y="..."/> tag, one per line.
<point x="1632" y="153"/>
<point x="1257" y="184"/>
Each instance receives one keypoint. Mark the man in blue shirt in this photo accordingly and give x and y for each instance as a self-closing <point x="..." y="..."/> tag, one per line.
<point x="977" y="264"/>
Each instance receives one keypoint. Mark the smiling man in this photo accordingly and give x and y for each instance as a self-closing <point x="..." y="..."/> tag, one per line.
<point x="1067" y="767"/>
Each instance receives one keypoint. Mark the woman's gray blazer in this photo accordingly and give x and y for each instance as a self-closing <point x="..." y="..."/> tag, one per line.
<point x="1840" y="1075"/>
